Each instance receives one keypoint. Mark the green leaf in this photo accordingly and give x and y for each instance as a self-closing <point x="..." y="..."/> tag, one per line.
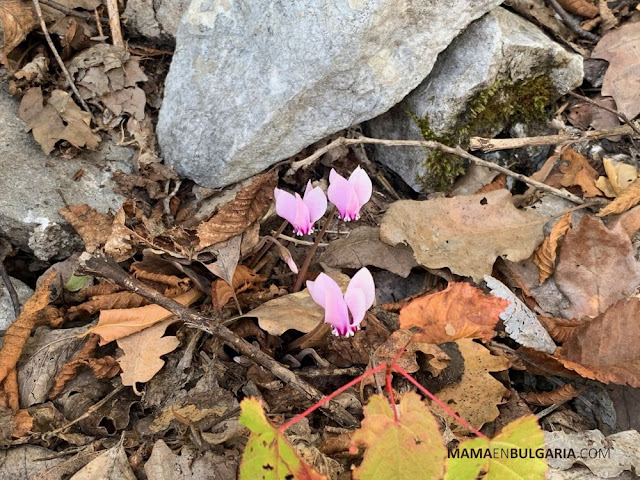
<point x="411" y="448"/>
<point x="496" y="459"/>
<point x="76" y="282"/>
<point x="268" y="455"/>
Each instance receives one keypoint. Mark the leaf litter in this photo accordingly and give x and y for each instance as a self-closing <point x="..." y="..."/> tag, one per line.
<point x="556" y="309"/>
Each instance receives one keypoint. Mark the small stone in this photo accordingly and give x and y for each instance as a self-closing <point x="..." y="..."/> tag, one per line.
<point x="500" y="51"/>
<point x="33" y="187"/>
<point x="252" y="83"/>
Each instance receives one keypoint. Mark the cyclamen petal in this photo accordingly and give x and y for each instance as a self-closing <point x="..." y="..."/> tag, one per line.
<point x="316" y="202"/>
<point x="349" y="195"/>
<point x="362" y="185"/>
<point x="302" y="213"/>
<point x="302" y="224"/>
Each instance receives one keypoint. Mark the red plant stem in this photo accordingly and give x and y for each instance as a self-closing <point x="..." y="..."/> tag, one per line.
<point x="392" y="400"/>
<point x="312" y="250"/>
<point x="439" y="402"/>
<point x="324" y="400"/>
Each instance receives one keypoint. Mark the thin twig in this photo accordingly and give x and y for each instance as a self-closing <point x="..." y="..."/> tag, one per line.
<point x="572" y="23"/>
<point x="101" y="265"/>
<point x="43" y="26"/>
<point x="114" y="23"/>
<point x="15" y="301"/>
<point x="621" y="116"/>
<point x="297" y="241"/>
<point x="443" y="148"/>
<point x="312" y="250"/>
<point x="99" y="23"/>
<point x="69" y="11"/>
<point x="494" y="144"/>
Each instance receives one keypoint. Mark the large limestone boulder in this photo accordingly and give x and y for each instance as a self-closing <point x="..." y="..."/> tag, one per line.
<point x="252" y="83"/>
<point x="33" y="186"/>
<point x="501" y="69"/>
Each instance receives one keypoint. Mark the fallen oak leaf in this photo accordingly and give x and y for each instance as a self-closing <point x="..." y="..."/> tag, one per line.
<point x="459" y="311"/>
<point x="243" y="279"/>
<point x="560" y="329"/>
<point x="464" y="233"/>
<point x="620" y="175"/>
<point x="576" y="171"/>
<point x="628" y="198"/>
<point x="142" y="352"/>
<point x="119" y="323"/>
<point x="545" y="256"/>
<point x="596" y="267"/>
<point x="520" y="323"/>
<point x="92" y="226"/>
<point x="18" y="332"/>
<point x="233" y="218"/>
<point x="118" y="300"/>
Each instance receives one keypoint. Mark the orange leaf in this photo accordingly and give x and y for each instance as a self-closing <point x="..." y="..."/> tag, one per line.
<point x="629" y="197"/>
<point x="545" y="256"/>
<point x="459" y="311"/>
<point x="69" y="369"/>
<point x="110" y="301"/>
<point x="115" y="324"/>
<point x="92" y="226"/>
<point x="606" y="348"/>
<point x="584" y="8"/>
<point x="545" y="399"/>
<point x="576" y="171"/>
<point x="243" y="279"/>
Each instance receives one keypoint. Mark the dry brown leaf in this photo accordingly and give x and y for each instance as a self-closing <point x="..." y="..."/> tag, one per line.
<point x="122" y="242"/>
<point x="22" y="424"/>
<point x="59" y="119"/>
<point x="435" y="360"/>
<point x="584" y="115"/>
<point x="607" y="17"/>
<point x="92" y="226"/>
<point x="142" y="352"/>
<point x="143" y="273"/>
<point x="69" y="369"/>
<point x="628" y="198"/>
<point x="104" y="367"/>
<point x="233" y="218"/>
<point x="606" y="348"/>
<point x="630" y="221"/>
<point x="545" y="256"/>
<point x="460" y="311"/>
<point x="11" y="391"/>
<point x="18" y="332"/>
<point x="112" y="464"/>
<point x="576" y="171"/>
<point x="102" y="288"/>
<point x="363" y="248"/>
<point x="119" y="323"/>
<point x="596" y="268"/>
<point x="228" y="255"/>
<point x="560" y="329"/>
<point x="17" y="19"/>
<point x="584" y="8"/>
<point x="498" y="183"/>
<point x="559" y="395"/>
<point x="477" y="395"/>
<point x="465" y="233"/>
<point x="108" y="302"/>
<point x="621" y="48"/>
<point x="620" y="175"/>
<point x="243" y="279"/>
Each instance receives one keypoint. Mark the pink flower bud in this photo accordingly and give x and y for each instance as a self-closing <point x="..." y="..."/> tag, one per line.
<point x="344" y="312"/>
<point x="349" y="195"/>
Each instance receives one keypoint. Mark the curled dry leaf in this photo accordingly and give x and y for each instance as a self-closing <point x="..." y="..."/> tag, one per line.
<point x="109" y="301"/>
<point x="596" y="268"/>
<point x="584" y="8"/>
<point x="18" y="332"/>
<point x="459" y="311"/>
<point x="629" y="197"/>
<point x="560" y="329"/>
<point x="545" y="256"/>
<point x="620" y="175"/>
<point x="17" y="19"/>
<point x="233" y="218"/>
<point x="606" y="348"/>
<point x="621" y="48"/>
<point x="113" y="463"/>
<point x="559" y="395"/>
<point x="69" y="369"/>
<point x="119" y="323"/>
<point x="104" y="367"/>
<point x="477" y="395"/>
<point x="142" y="352"/>
<point x="575" y="170"/>
<point x="464" y="233"/>
<point x="243" y="279"/>
<point x="92" y="226"/>
<point x="163" y="278"/>
<point x="59" y="119"/>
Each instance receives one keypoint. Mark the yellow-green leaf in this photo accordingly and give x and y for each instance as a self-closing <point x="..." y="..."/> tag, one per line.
<point x="410" y="447"/>
<point x="268" y="455"/>
<point x="496" y="457"/>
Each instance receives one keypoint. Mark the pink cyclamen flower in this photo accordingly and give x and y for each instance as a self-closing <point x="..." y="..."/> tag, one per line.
<point x="344" y="312"/>
<point x="303" y="212"/>
<point x="349" y="195"/>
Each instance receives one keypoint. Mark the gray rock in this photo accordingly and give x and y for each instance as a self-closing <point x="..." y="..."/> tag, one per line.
<point x="7" y="315"/>
<point x="155" y="19"/>
<point x="496" y="55"/>
<point x="33" y="187"/>
<point x="252" y="83"/>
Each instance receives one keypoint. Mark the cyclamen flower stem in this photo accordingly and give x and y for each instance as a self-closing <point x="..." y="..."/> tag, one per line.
<point x="267" y="245"/>
<point x="312" y="251"/>
<point x="324" y="400"/>
<point x="439" y="402"/>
